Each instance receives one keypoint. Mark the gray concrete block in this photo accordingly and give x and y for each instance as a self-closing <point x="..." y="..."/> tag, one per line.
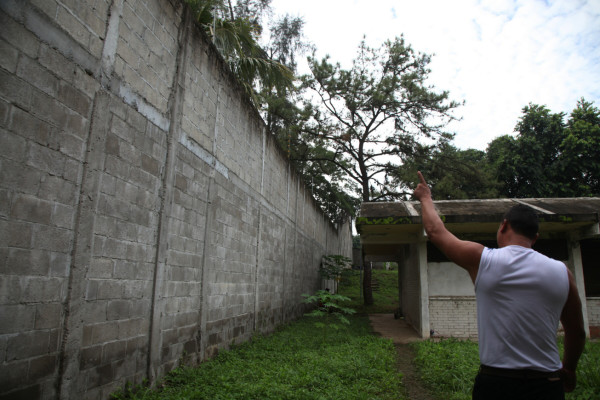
<point x="118" y="309"/>
<point x="90" y="357"/>
<point x="55" y="188"/>
<point x="31" y="209"/>
<point x="11" y="378"/>
<point x="27" y="344"/>
<point x="114" y="351"/>
<point x="48" y="316"/>
<point x="42" y="367"/>
<point x="73" y="26"/>
<point x="53" y="239"/>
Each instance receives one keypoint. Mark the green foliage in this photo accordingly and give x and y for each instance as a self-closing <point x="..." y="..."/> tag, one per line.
<point x="328" y="308"/>
<point x="580" y="151"/>
<point x="333" y="265"/>
<point x="449" y="368"/>
<point x="548" y="157"/>
<point x="235" y="31"/>
<point x="451" y="173"/>
<point x="293" y="363"/>
<point x="385" y="299"/>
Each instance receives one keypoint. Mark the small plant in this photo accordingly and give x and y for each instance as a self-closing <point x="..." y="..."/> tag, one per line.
<point x="328" y="308"/>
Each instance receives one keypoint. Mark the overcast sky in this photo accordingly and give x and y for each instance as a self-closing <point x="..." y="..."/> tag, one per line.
<point x="496" y="55"/>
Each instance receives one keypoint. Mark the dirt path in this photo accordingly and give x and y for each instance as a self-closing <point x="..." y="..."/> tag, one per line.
<point x="402" y="334"/>
<point x="414" y="387"/>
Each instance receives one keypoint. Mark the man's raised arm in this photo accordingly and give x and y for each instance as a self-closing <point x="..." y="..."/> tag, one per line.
<point x="464" y="253"/>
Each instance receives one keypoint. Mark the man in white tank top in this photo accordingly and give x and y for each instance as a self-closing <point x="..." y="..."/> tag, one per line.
<point x="521" y="297"/>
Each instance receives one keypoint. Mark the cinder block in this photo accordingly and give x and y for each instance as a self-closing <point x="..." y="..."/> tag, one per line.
<point x="94" y="312"/>
<point x="109" y="289"/>
<point x="97" y="377"/>
<point x="105" y="332"/>
<point x="31" y="209"/>
<point x="150" y="165"/>
<point x="45" y="159"/>
<point x="48" y="108"/>
<point x="118" y="309"/>
<point x="27" y="344"/>
<point x="53" y="239"/>
<point x="43" y="289"/>
<point x="71" y="24"/>
<point x="90" y="357"/>
<point x="11" y="379"/>
<point x="32" y="72"/>
<point x="114" y="351"/>
<point x="132" y="328"/>
<point x="101" y="268"/>
<point x="68" y="144"/>
<point x="48" y="316"/>
<point x="62" y="216"/>
<point x="12" y="147"/>
<point x="8" y="56"/>
<point x="41" y="367"/>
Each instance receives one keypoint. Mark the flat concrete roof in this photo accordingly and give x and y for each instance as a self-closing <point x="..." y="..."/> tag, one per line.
<point x="381" y="224"/>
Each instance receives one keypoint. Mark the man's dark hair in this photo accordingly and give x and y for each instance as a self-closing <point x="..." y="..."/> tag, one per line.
<point x="523" y="220"/>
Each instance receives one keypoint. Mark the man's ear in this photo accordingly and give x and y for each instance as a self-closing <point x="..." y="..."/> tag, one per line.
<point x="537" y="235"/>
<point x="504" y="226"/>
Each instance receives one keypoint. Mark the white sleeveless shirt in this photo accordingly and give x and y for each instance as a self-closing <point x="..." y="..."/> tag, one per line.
<point x="520" y="296"/>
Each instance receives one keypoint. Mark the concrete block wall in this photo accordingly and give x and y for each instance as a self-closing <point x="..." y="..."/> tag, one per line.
<point x="146" y="216"/>
<point x="593" y="313"/>
<point x="453" y="316"/>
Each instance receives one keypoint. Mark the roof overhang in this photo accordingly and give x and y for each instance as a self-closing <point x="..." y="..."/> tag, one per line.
<point x="382" y="225"/>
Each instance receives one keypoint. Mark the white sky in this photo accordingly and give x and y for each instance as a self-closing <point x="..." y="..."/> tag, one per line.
<point x="497" y="55"/>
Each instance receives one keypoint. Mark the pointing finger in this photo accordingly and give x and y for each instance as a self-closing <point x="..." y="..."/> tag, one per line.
<point x="421" y="178"/>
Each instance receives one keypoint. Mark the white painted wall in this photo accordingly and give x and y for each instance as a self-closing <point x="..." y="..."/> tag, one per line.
<point x="448" y="279"/>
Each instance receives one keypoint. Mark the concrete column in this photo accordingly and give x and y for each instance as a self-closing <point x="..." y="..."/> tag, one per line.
<point x="423" y="290"/>
<point x="69" y="378"/>
<point x="211" y="215"/>
<point x="576" y="266"/>
<point x="166" y="194"/>
<point x="400" y="260"/>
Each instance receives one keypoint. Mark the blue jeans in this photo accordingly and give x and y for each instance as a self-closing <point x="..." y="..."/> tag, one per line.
<point x="490" y="387"/>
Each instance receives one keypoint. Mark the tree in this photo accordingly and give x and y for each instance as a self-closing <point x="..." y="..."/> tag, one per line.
<point x="580" y="151"/>
<point x="367" y="119"/>
<point x="373" y="115"/>
<point x="548" y="157"/>
<point x="528" y="164"/>
<point x="452" y="173"/>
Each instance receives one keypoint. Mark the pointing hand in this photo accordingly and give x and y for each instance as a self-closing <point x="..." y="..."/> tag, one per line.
<point x="422" y="191"/>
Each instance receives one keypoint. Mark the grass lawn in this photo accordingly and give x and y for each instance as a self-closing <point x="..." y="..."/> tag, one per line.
<point x="385" y="298"/>
<point x="448" y="367"/>
<point x="299" y="361"/>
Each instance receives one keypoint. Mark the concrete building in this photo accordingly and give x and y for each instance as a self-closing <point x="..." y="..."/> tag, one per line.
<point x="435" y="295"/>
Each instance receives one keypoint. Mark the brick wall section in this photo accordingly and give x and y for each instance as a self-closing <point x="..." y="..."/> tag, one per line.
<point x="593" y="310"/>
<point x="145" y="213"/>
<point x="453" y="316"/>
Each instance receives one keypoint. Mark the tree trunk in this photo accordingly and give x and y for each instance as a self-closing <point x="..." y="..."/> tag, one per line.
<point x="367" y="288"/>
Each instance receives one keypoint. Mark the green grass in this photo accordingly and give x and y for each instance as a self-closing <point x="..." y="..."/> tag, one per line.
<point x="385" y="299"/>
<point x="449" y="367"/>
<point x="298" y="361"/>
